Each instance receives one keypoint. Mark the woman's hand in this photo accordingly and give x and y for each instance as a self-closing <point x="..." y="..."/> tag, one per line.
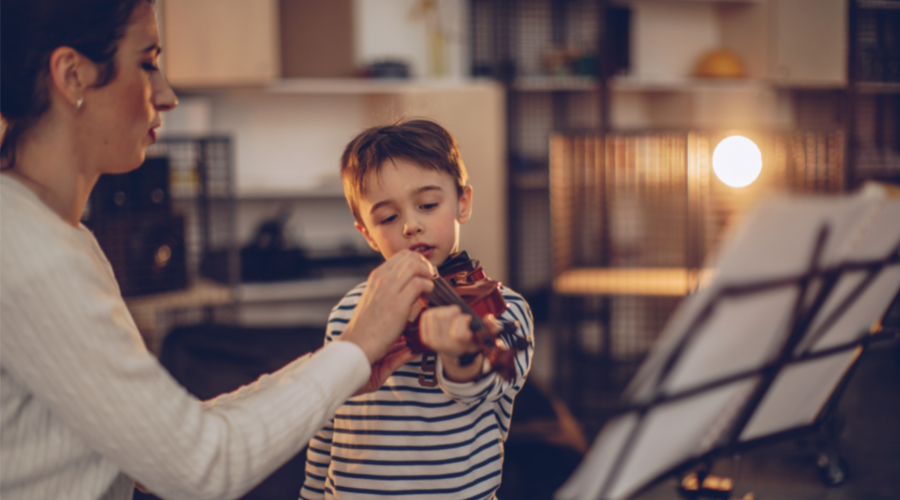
<point x="397" y="355"/>
<point x="447" y="331"/>
<point x="384" y="306"/>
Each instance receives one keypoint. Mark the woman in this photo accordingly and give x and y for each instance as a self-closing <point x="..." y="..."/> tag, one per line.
<point x="84" y="407"/>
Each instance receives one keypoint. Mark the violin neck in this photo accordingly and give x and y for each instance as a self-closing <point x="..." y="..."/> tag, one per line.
<point x="444" y="295"/>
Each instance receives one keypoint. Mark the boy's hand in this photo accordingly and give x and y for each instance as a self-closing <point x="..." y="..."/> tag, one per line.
<point x="446" y="330"/>
<point x="384" y="306"/>
<point x="397" y="355"/>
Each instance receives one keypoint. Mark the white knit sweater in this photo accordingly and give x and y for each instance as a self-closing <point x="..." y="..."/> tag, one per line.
<point x="84" y="407"/>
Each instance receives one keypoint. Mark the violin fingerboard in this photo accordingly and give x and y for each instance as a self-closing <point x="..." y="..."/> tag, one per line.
<point x="444" y="295"/>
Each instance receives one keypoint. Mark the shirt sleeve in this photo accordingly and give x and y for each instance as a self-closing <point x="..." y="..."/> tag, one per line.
<point x="493" y="388"/>
<point x="69" y="338"/>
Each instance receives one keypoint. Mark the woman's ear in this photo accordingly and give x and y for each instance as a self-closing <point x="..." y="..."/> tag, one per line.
<point x="464" y="207"/>
<point x="71" y="74"/>
<point x="365" y="232"/>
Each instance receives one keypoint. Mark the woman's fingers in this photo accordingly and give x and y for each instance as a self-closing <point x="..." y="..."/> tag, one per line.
<point x="384" y="306"/>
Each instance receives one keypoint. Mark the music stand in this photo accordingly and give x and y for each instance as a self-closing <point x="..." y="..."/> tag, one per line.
<point x="763" y="350"/>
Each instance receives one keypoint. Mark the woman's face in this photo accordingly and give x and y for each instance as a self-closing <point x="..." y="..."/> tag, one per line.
<point x="120" y="117"/>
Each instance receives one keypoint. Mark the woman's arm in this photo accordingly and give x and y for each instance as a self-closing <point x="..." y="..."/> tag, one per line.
<point x="68" y="337"/>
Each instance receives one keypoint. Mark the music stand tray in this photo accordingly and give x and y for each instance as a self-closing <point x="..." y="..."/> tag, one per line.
<point x="761" y="351"/>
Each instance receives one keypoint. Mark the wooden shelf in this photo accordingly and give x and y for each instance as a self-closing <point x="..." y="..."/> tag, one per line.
<point x="878" y="87"/>
<point x="671" y="282"/>
<point x="326" y="192"/>
<point x="555" y="83"/>
<point x="285" y="291"/>
<point x="878" y="4"/>
<point x="145" y="310"/>
<point x="631" y="84"/>
<point x="373" y="86"/>
<point x="201" y="294"/>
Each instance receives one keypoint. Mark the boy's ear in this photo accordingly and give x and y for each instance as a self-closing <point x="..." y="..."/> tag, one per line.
<point x="464" y="207"/>
<point x="365" y="232"/>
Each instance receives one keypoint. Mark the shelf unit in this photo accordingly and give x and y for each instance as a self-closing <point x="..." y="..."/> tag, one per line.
<point x="572" y="65"/>
<point x="640" y="81"/>
<point x="545" y="55"/>
<point x="873" y="97"/>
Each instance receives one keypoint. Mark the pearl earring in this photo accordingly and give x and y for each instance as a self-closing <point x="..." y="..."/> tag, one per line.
<point x="79" y="102"/>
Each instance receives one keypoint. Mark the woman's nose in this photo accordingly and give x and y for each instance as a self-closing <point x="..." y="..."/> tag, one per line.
<point x="164" y="97"/>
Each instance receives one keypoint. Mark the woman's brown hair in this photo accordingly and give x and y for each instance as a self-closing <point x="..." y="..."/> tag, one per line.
<point x="30" y="30"/>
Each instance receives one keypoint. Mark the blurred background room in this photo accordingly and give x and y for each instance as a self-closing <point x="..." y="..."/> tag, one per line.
<point x="589" y="129"/>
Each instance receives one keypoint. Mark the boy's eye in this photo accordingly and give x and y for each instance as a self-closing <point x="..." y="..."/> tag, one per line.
<point x="387" y="220"/>
<point x="428" y="206"/>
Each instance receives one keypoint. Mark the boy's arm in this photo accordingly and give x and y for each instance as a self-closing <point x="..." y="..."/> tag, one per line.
<point x="492" y="387"/>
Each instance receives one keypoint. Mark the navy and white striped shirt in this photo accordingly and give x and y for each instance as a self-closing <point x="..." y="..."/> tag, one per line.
<point x="407" y="440"/>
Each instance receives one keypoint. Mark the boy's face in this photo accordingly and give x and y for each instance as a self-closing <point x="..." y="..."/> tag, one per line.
<point x="407" y="206"/>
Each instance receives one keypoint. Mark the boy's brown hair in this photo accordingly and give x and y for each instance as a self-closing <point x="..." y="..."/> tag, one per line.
<point x="422" y="142"/>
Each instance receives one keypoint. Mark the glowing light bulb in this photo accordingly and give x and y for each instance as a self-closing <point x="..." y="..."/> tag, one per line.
<point x="737" y="161"/>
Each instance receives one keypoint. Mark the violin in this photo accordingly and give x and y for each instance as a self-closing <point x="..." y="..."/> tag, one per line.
<point x="463" y="282"/>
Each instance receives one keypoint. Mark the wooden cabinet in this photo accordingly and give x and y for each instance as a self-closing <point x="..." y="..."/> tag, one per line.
<point x="808" y="43"/>
<point x="210" y="43"/>
<point x="783" y="44"/>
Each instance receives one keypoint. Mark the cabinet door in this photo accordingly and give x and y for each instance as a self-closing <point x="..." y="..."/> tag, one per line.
<point x="220" y="42"/>
<point x="809" y="43"/>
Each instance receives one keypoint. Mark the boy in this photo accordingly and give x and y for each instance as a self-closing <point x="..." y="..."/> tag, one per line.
<point x="433" y="430"/>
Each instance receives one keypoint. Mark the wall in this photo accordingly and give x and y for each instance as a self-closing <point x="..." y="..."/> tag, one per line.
<point x="400" y="29"/>
<point x="288" y="146"/>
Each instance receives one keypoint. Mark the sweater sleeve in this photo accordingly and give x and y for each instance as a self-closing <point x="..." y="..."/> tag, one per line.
<point x="69" y="338"/>
<point x="493" y="388"/>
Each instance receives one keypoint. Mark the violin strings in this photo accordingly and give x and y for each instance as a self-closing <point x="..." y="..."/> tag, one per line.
<point x="448" y="296"/>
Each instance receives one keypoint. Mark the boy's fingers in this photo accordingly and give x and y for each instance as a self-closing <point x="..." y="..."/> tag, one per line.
<point x="461" y="330"/>
<point x="446" y="329"/>
<point x="492" y="323"/>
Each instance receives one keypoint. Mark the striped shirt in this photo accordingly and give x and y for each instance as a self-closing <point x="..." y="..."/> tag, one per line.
<point x="414" y="441"/>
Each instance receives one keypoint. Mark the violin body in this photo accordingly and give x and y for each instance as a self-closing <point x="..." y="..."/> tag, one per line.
<point x="482" y="295"/>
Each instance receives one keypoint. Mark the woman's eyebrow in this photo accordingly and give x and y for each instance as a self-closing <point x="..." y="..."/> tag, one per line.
<point x="153" y="47"/>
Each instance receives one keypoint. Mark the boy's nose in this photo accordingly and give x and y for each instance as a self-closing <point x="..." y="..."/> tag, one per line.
<point x="412" y="227"/>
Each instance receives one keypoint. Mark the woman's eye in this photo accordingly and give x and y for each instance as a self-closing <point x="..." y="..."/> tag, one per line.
<point x="150" y="67"/>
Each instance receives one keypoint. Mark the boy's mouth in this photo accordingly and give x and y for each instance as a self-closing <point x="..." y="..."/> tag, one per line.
<point x="422" y="248"/>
